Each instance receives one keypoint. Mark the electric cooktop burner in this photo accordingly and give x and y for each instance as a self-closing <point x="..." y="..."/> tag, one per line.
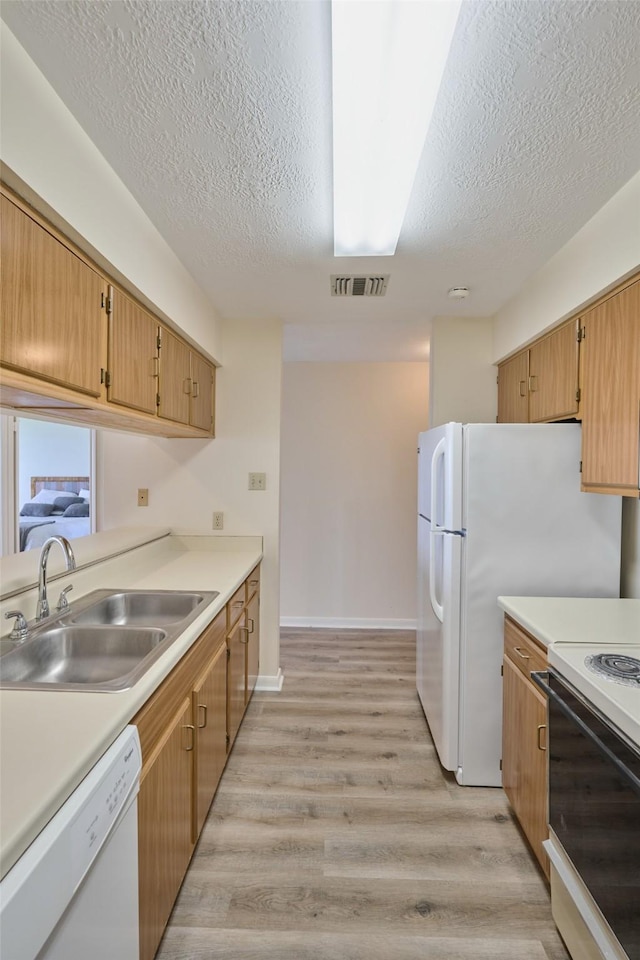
<point x="615" y="666"/>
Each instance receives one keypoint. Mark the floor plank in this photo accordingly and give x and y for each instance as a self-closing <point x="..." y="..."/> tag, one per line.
<point x="336" y="835"/>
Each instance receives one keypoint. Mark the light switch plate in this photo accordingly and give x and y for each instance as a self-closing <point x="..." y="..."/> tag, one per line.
<point x="257" y="481"/>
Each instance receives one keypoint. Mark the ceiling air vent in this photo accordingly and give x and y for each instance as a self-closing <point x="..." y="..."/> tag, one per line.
<point x="359" y="286"/>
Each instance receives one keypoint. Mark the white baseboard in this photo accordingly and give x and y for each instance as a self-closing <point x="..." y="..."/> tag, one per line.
<point x="270" y="684"/>
<point x="338" y="623"/>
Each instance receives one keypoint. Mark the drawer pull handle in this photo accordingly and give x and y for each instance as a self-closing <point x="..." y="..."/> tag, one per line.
<point x="541" y="727"/>
<point x="523" y="656"/>
<point x="203" y="707"/>
<point x="190" y="726"/>
<point x="253" y="625"/>
<point x="247" y="631"/>
<point x="196" y="390"/>
<point x="522" y="391"/>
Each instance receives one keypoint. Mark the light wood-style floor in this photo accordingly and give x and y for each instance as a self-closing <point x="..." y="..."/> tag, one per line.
<point x="335" y="834"/>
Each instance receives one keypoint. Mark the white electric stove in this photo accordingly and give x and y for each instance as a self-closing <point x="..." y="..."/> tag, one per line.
<point x="608" y="675"/>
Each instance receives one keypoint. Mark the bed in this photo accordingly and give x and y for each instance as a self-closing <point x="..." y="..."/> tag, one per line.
<point x="59" y="506"/>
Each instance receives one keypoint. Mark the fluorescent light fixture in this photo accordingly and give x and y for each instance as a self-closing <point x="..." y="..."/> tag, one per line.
<point x="388" y="61"/>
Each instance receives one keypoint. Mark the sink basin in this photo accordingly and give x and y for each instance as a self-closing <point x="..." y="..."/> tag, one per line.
<point x="103" y="642"/>
<point x="140" y="607"/>
<point x="75" y="655"/>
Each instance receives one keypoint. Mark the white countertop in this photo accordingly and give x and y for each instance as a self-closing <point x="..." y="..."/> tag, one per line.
<point x="576" y="619"/>
<point x="49" y="740"/>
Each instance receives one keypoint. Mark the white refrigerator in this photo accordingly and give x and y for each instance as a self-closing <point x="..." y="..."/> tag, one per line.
<point x="500" y="513"/>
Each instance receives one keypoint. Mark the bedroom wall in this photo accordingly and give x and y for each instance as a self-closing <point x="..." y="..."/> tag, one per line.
<point x="349" y="492"/>
<point x="50" y="450"/>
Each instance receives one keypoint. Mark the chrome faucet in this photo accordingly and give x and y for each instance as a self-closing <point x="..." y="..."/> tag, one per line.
<point x="42" y="610"/>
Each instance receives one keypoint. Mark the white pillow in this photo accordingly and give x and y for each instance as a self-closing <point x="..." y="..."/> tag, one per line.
<point x="47" y="496"/>
<point x="85" y="494"/>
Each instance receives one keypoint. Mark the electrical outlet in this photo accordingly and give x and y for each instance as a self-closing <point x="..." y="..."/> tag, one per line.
<point x="257" y="481"/>
<point x="143" y="497"/>
<point x="218" y="520"/>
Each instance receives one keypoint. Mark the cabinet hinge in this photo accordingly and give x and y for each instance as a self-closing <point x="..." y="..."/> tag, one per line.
<point x="581" y="334"/>
<point x="578" y="395"/>
<point x="581" y="466"/>
<point x="102" y="301"/>
<point x="159" y="341"/>
<point x="501" y="763"/>
<point x="109" y="301"/>
<point x="228" y="739"/>
<point x="228" y="653"/>
<point x="105" y="377"/>
<point x="502" y="670"/>
<point x="157" y="399"/>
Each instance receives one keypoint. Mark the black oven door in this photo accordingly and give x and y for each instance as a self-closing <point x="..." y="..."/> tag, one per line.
<point x="594" y="805"/>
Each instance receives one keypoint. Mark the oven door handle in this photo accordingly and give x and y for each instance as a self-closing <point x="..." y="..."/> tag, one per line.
<point x="541" y="677"/>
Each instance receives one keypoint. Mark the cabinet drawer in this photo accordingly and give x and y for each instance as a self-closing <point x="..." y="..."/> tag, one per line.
<point x="235" y="605"/>
<point x="253" y="582"/>
<point x="522" y="650"/>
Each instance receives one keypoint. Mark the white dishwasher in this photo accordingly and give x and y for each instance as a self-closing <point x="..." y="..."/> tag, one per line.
<point x="73" y="894"/>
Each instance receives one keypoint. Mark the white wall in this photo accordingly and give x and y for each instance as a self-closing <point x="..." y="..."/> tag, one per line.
<point x="349" y="440"/>
<point x="50" y="450"/>
<point x="45" y="147"/>
<point x="189" y="479"/>
<point x="463" y="379"/>
<point x="603" y="252"/>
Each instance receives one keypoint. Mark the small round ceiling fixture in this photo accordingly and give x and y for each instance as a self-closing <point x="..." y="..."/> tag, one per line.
<point x="458" y="293"/>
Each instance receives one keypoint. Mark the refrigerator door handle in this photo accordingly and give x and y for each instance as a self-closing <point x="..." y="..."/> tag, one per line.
<point x="438" y="609"/>
<point x="438" y="454"/>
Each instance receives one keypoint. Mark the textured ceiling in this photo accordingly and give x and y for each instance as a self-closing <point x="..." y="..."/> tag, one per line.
<point x="217" y="115"/>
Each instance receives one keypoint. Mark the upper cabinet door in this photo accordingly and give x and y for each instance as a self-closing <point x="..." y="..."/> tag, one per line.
<point x="202" y="393"/>
<point x="133" y="352"/>
<point x="513" y="400"/>
<point x="553" y="375"/>
<point x="175" y="378"/>
<point x="51" y="306"/>
<point x="611" y="394"/>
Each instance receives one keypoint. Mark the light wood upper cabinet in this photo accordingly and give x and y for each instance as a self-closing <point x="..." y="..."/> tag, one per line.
<point x="201" y="413"/>
<point x="52" y="306"/>
<point x="133" y="351"/>
<point x="164" y="827"/>
<point x="174" y="384"/>
<point x="513" y="398"/>
<point x="553" y="375"/>
<point x="611" y="395"/>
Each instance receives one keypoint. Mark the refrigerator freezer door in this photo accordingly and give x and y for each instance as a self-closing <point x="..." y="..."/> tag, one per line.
<point x="440" y="476"/>
<point x="438" y="637"/>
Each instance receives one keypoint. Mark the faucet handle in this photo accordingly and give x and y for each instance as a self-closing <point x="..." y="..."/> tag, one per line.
<point x="63" y="603"/>
<point x="20" y="630"/>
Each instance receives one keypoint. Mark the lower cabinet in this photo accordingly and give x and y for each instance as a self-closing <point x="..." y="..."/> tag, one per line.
<point x="186" y="729"/>
<point x="253" y="644"/>
<point x="165" y="838"/>
<point x="524" y="733"/>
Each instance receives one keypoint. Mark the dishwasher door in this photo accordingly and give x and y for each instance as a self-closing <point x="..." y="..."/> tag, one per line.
<point x="74" y="892"/>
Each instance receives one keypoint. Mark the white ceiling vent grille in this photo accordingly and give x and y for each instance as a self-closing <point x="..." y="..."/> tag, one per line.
<point x="359" y="286"/>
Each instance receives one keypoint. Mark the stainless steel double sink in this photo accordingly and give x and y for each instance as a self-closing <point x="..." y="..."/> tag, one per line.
<point x="106" y="641"/>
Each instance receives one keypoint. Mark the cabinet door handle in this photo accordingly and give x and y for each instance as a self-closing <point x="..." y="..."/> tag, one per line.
<point x="523" y="656"/>
<point x="253" y="583"/>
<point x="190" y="726"/>
<point x="196" y="389"/>
<point x="247" y="631"/>
<point x="541" y="727"/>
<point x="238" y="603"/>
<point x="156" y="366"/>
<point x="253" y="625"/>
<point x="186" y="385"/>
<point x="203" y="707"/>
<point x="522" y="385"/>
<point x="533" y="383"/>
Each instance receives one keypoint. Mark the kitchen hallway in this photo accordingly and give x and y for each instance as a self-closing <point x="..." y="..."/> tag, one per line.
<point x="335" y="834"/>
